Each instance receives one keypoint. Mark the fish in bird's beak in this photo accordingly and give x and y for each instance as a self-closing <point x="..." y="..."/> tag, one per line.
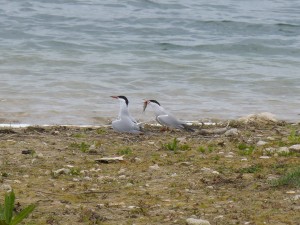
<point x="145" y="105"/>
<point x="114" y="97"/>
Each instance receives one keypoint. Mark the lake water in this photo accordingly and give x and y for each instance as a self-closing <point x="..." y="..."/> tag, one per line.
<point x="61" y="60"/>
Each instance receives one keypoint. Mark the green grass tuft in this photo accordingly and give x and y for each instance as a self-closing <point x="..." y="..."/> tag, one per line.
<point x="294" y="138"/>
<point x="172" y="146"/>
<point x="84" y="147"/>
<point x="7" y="216"/>
<point x="245" y="149"/>
<point x="125" y="151"/>
<point x="291" y="178"/>
<point x="251" y="169"/>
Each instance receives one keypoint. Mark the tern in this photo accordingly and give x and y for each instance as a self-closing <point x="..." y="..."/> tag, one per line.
<point x="164" y="118"/>
<point x="125" y="122"/>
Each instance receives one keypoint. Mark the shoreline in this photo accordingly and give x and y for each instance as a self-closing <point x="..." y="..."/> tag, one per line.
<point x="84" y="175"/>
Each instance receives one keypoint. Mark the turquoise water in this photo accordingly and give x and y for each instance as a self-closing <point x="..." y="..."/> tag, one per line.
<point x="61" y="60"/>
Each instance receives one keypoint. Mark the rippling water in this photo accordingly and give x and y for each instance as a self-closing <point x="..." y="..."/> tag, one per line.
<point x="61" y="60"/>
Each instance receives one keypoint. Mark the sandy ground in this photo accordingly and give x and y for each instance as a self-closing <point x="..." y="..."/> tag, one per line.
<point x="166" y="177"/>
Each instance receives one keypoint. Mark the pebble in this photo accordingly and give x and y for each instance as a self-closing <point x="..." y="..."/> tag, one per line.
<point x="154" y="167"/>
<point x="62" y="171"/>
<point x="182" y="140"/>
<point x="295" y="148"/>
<point x="40" y="155"/>
<point x="270" y="138"/>
<point x="87" y="178"/>
<point x="265" y="157"/>
<point x="283" y="150"/>
<point x="209" y="170"/>
<point x="279" y="150"/>
<point x="136" y="159"/>
<point x="193" y="221"/>
<point x="261" y="143"/>
<point x="232" y="132"/>
<point x="129" y="185"/>
<point x="121" y="171"/>
<point x="6" y="187"/>
<point x="122" y="177"/>
<point x="296" y="197"/>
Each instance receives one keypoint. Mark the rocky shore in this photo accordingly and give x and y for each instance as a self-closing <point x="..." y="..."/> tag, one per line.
<point x="241" y="172"/>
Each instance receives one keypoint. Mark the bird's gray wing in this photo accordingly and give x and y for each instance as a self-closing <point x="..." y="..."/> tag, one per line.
<point x="126" y="125"/>
<point x="169" y="121"/>
<point x="132" y="119"/>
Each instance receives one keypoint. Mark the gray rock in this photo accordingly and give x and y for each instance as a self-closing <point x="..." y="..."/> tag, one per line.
<point x="277" y="150"/>
<point x="261" y="143"/>
<point x="154" y="167"/>
<point x="265" y="157"/>
<point x="193" y="221"/>
<point x="5" y="187"/>
<point x="283" y="150"/>
<point x="260" y="117"/>
<point x="62" y="171"/>
<point x="270" y="138"/>
<point x="295" y="148"/>
<point x="232" y="132"/>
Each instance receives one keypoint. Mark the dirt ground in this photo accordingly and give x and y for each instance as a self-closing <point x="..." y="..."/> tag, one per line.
<point x="166" y="177"/>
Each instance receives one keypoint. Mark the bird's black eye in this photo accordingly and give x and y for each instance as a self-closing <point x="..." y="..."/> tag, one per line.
<point x="123" y="97"/>
<point x="154" y="101"/>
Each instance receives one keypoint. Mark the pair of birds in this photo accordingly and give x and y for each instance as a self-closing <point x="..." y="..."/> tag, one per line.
<point x="126" y="123"/>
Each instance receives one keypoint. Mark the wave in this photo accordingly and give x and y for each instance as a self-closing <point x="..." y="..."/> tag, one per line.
<point x="239" y="48"/>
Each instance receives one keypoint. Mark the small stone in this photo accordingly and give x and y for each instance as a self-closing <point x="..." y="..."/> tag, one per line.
<point x="136" y="159"/>
<point x="232" y="132"/>
<point x="154" y="167"/>
<point x="215" y="172"/>
<point x="87" y="178"/>
<point x="121" y="171"/>
<point x="70" y="166"/>
<point x="209" y="170"/>
<point x="295" y="148"/>
<point x="270" y="150"/>
<point x="122" y="177"/>
<point x="193" y="221"/>
<point x="283" y="150"/>
<point x="62" y="171"/>
<point x="296" y="197"/>
<point x="92" y="147"/>
<point x="264" y="157"/>
<point x="99" y="206"/>
<point x="182" y="140"/>
<point x="261" y="143"/>
<point x="6" y="187"/>
<point x="270" y="139"/>
<point x="40" y="155"/>
<point x="129" y="185"/>
<point x="219" y="217"/>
